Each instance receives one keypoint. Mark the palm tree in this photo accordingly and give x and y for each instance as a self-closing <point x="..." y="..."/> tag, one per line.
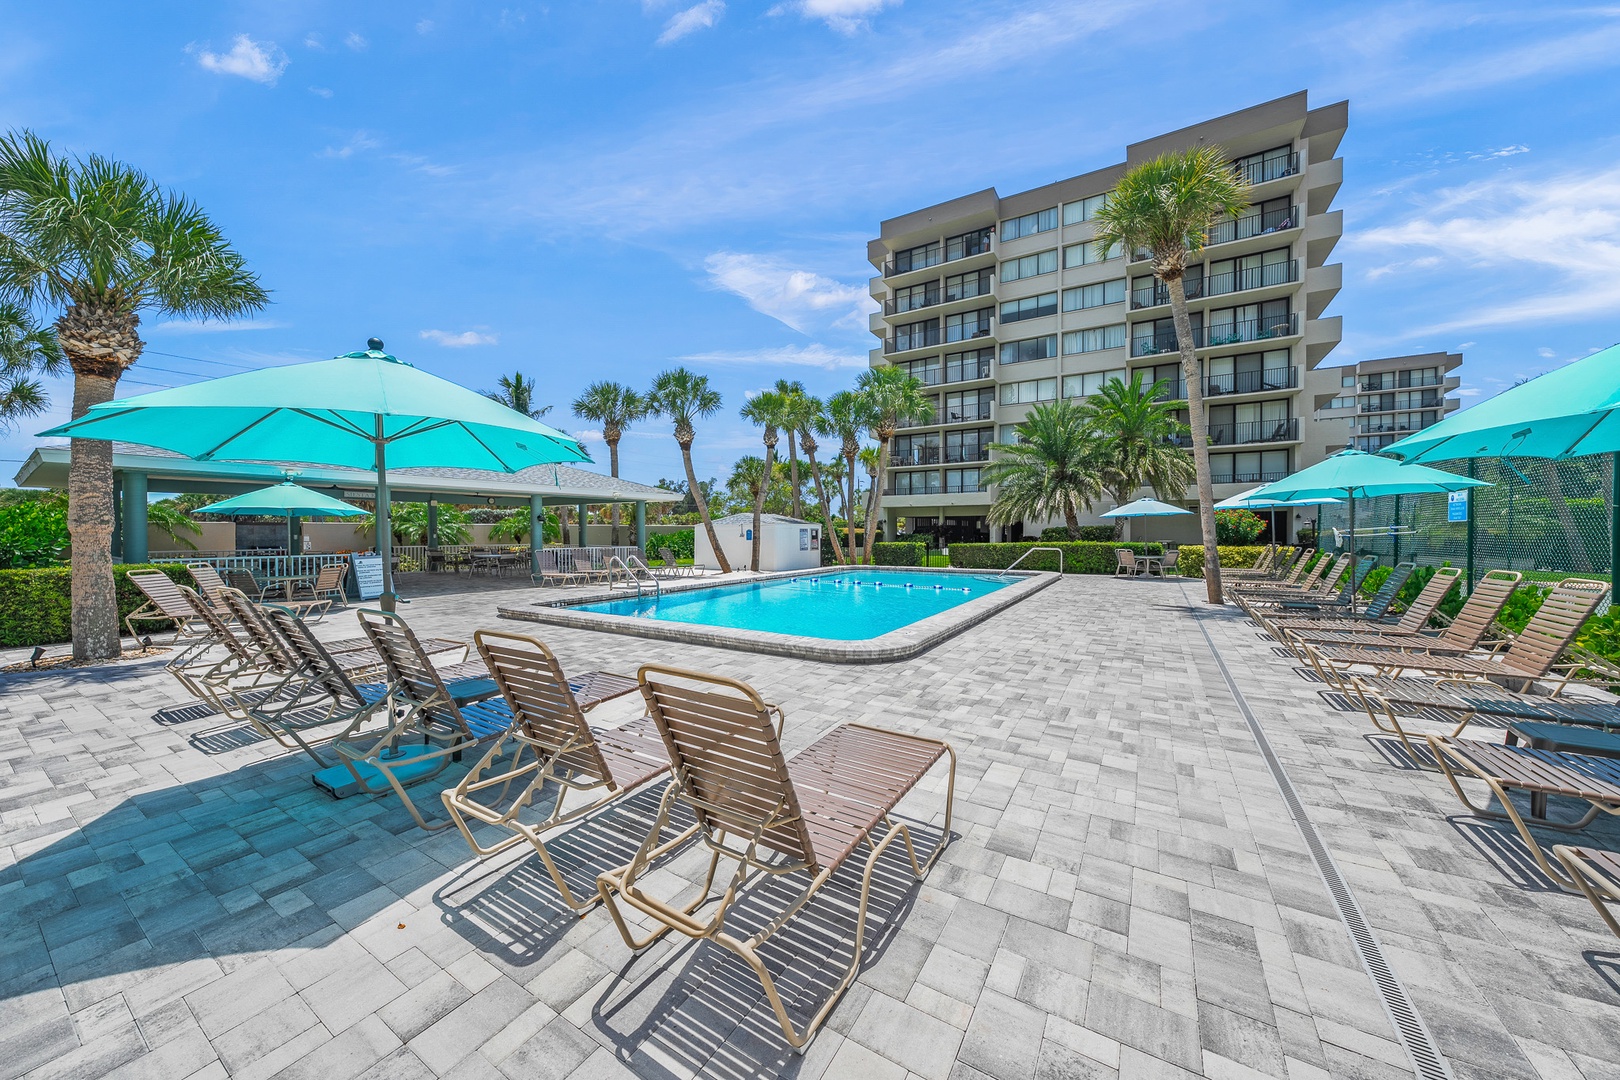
<point x="686" y="397"/>
<point x="832" y="474"/>
<point x="790" y="389"/>
<point x="1167" y="206"/>
<point x="893" y="399"/>
<point x="516" y="392"/>
<point x="102" y="243"/>
<point x="26" y="350"/>
<point x="1133" y="434"/>
<point x="869" y="460"/>
<point x="772" y="411"/>
<point x="808" y="416"/>
<point x="846" y="416"/>
<point x="614" y="406"/>
<point x="1047" y="473"/>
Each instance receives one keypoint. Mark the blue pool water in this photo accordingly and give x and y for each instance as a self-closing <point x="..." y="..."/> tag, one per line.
<point x="835" y="607"/>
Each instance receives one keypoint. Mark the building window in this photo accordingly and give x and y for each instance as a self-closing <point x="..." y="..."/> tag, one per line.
<point x="1030" y="224"/>
<point x="1251" y="467"/>
<point x="1088" y="253"/>
<point x="968" y="446"/>
<point x="968" y="325"/>
<point x="1101" y="294"/>
<point x="963" y="286"/>
<point x="1273" y="164"/>
<point x="1348" y="381"/>
<point x="966" y="406"/>
<point x="1091" y="382"/>
<point x="1247" y="373"/>
<point x="923" y="482"/>
<point x="1084" y="209"/>
<point x="1096" y="339"/>
<point x="1250" y="272"/>
<point x="923" y="255"/>
<point x="916" y="335"/>
<point x="1037" y="348"/>
<point x="1340" y="403"/>
<point x="1009" y="435"/>
<point x="917" y="296"/>
<point x="976" y="242"/>
<point x="960" y="480"/>
<point x="1044" y="262"/>
<point x="915" y="450"/>
<point x="925" y="371"/>
<point x="1030" y="307"/>
<point x="1029" y="391"/>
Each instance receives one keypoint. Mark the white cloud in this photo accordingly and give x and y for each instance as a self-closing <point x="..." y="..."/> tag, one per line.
<point x="813" y="355"/>
<point x="798" y="298"/>
<point x="690" y="20"/>
<point x="356" y="42"/>
<point x="1532" y="249"/>
<point x="358" y="143"/>
<point x="463" y="340"/>
<point x="424" y="26"/>
<point x="1546" y="353"/>
<point x="321" y="91"/>
<point x="260" y="62"/>
<point x="313" y="40"/>
<point x="844" y="16"/>
<point x="1467" y="391"/>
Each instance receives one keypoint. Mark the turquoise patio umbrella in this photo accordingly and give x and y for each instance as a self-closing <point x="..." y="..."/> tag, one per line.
<point x="285" y="499"/>
<point x="1144" y="508"/>
<point x="1352" y="475"/>
<point x="366" y="410"/>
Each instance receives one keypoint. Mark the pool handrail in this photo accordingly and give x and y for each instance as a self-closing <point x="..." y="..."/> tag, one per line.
<point x="633" y="569"/>
<point x="1030" y="552"/>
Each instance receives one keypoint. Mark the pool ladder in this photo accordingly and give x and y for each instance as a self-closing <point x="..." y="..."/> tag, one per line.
<point x="637" y="573"/>
<point x="1030" y="552"/>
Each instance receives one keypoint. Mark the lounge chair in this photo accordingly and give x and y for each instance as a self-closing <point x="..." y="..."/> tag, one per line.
<point x="1531" y="657"/>
<point x="1539" y="773"/>
<point x="808" y="815"/>
<point x="1282" y="571"/>
<point x="672" y="566"/>
<point x="1413" y="620"/>
<point x="554" y="750"/>
<point x="1597" y="875"/>
<point x="1264" y="567"/>
<point x="1324" y="601"/>
<point x="244" y="582"/>
<point x="209" y="583"/>
<point x="209" y="666"/>
<point x="1462" y="635"/>
<point x="1319" y="583"/>
<point x="326" y="590"/>
<point x="164" y="604"/>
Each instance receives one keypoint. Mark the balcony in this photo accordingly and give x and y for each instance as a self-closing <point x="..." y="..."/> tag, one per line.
<point x="956" y="455"/>
<point x="961" y="487"/>
<point x="1250" y="432"/>
<point x="917" y="455"/>
<point x="916" y="339"/>
<point x="1254" y="476"/>
<point x="1158" y="294"/>
<point x="902" y="490"/>
<point x="915" y="259"/>
<point x="955" y="373"/>
<point x="967" y="414"/>
<point x="1252" y="382"/>
<point x="966" y="332"/>
<point x="1390" y="401"/>
<point x="967" y="246"/>
<point x="1266" y="169"/>
<point x="1253" y="277"/>
<point x="1259" y="223"/>
<point x="1374" y="384"/>
<point x="1384" y="428"/>
<point x="900" y="305"/>
<point x="1232" y="333"/>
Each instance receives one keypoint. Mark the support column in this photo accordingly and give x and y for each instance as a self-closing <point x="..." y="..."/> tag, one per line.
<point x="135" y="517"/>
<point x="1395" y="537"/>
<point x="1468" y="574"/>
<point x="641" y="527"/>
<point x="433" y="524"/>
<point x="537" y="531"/>
<point x="118" y="517"/>
<point x="1614" y="520"/>
<point x="584" y="513"/>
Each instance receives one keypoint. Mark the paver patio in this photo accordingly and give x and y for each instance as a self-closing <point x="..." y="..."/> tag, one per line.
<point x="1127" y="894"/>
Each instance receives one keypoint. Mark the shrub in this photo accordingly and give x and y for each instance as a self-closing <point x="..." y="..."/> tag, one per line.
<point x="1100" y="534"/>
<point x="682" y="543"/>
<point x="899" y="553"/>
<point x="1237" y="527"/>
<point x="1079" y="556"/>
<point x="1233" y="557"/>
<point x="33" y="533"/>
<point x="35" y="605"/>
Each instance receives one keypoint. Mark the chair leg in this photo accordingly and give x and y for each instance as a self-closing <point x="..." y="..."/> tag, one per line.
<point x="1595" y="885"/>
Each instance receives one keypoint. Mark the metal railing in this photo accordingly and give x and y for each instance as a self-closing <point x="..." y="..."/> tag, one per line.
<point x="1027" y="554"/>
<point x="967" y="245"/>
<point x="1254" y="431"/>
<point x="1263" y="169"/>
<point x="916" y="339"/>
<point x="917" y="455"/>
<point x="1374" y="384"/>
<point x="261" y="566"/>
<point x="1252" y="382"/>
<point x="636" y="572"/>
<point x="962" y="454"/>
<point x="1218" y="334"/>
<point x="1254" y="476"/>
<point x="966" y="331"/>
<point x="893" y="305"/>
<point x="1256" y="224"/>
<point x="1252" y="277"/>
<point x="967" y="414"/>
<point x="915" y="259"/>
<point x="1158" y="294"/>
<point x="960" y="487"/>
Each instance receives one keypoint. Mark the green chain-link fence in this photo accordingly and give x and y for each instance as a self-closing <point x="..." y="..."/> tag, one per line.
<point x="1546" y="519"/>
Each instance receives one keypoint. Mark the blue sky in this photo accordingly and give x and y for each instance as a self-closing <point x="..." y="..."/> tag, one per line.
<point x="604" y="188"/>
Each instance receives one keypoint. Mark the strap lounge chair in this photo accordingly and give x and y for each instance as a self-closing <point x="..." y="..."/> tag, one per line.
<point x="672" y="566"/>
<point x="164" y="603"/>
<point x="1325" y="602"/>
<point x="1283" y="571"/>
<point x="1531" y="657"/>
<point x="1413" y="620"/>
<point x="1271" y="560"/>
<point x="326" y="591"/>
<point x="554" y="751"/>
<point x="1597" y="875"/>
<point x="209" y="583"/>
<point x="209" y="666"/>
<point x="1463" y="635"/>
<point x="1319" y="583"/>
<point x="1539" y="773"/>
<point x="805" y="816"/>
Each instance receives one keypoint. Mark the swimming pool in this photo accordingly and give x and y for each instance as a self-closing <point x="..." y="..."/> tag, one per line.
<point x="849" y="606"/>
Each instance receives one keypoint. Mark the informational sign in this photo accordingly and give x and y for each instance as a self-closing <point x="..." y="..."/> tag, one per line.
<point x="1457" y="506"/>
<point x="804" y="539"/>
<point x="368" y="575"/>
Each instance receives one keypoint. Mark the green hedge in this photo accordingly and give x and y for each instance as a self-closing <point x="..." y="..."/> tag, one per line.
<point x="682" y="543"/>
<point x="35" y="605"/>
<point x="1079" y="556"/>
<point x="1191" y="561"/>
<point x="898" y="553"/>
<point x="1103" y="534"/>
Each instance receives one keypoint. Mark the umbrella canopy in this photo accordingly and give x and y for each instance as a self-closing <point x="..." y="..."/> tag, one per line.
<point x="1570" y="412"/>
<point x="363" y="409"/>
<point x="1246" y="500"/>
<point x="1145" y="508"/>
<point x="283" y="500"/>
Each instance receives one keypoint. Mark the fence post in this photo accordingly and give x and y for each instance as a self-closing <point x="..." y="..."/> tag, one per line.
<point x="1614" y="519"/>
<point x="1395" y="535"/>
<point x="1468" y="574"/>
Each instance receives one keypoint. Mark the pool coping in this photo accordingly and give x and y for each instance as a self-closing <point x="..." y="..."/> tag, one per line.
<point x="901" y="644"/>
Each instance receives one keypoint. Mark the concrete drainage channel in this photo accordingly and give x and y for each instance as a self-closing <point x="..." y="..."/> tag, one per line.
<point x="1427" y="1061"/>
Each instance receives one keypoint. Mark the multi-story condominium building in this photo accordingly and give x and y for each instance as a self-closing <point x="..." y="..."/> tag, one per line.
<point x="1001" y="302"/>
<point x="1377" y="402"/>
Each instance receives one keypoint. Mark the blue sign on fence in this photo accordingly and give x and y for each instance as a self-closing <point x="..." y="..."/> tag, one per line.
<point x="1457" y="506"/>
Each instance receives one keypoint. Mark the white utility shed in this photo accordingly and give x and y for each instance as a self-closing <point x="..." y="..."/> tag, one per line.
<point x="786" y="543"/>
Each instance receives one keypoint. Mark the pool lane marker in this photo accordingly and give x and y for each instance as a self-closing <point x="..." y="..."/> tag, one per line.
<point x="1427" y="1061"/>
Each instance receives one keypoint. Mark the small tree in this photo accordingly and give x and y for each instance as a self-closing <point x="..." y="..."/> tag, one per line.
<point x="893" y="399"/>
<point x="1238" y="526"/>
<point x="1048" y="472"/>
<point x="686" y="397"/>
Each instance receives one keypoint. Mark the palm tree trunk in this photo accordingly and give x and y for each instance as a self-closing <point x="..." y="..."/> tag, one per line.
<point x="826" y="508"/>
<point x="793" y="474"/>
<point x="94" y="612"/>
<point x="759" y="502"/>
<point x="703" y="508"/>
<point x="876" y="505"/>
<point x="613" y="467"/>
<point x="1200" y="437"/>
<point x="849" y="502"/>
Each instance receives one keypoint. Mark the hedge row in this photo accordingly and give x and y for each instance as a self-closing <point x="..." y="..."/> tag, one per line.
<point x="898" y="553"/>
<point x="1079" y="556"/>
<point x="682" y="543"/>
<point x="35" y="605"/>
<point x="1191" y="561"/>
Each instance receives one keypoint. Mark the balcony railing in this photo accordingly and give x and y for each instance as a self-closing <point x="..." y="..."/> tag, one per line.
<point x="963" y="247"/>
<point x="1389" y="401"/>
<point x="917" y="455"/>
<point x="1173" y="390"/>
<point x="1385" y="428"/>
<point x="967" y="332"/>
<point x="959" y="487"/>
<point x="896" y="305"/>
<point x="1252" y="382"/>
<point x="1253" y="476"/>
<point x="1158" y="294"/>
<point x="1374" y="384"/>
<point x="1208" y="337"/>
<point x="1252" y="277"/>
<point x="917" y="339"/>
<point x="1266" y="169"/>
<point x="1258" y="223"/>
<point x="913" y="261"/>
<point x="897" y="489"/>
<point x="1254" y="431"/>
<point x="955" y="455"/>
<point x="965" y="372"/>
<point x="964" y="414"/>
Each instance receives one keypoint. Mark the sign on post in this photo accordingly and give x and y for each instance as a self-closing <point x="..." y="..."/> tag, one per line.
<point x="1457" y="506"/>
<point x="368" y="575"/>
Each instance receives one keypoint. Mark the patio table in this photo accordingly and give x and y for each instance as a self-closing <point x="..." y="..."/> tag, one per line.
<point x="288" y="583"/>
<point x="1148" y="562"/>
<point x="1560" y="738"/>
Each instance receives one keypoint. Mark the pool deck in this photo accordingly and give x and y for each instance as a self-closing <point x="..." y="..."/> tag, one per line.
<point x="1127" y="894"/>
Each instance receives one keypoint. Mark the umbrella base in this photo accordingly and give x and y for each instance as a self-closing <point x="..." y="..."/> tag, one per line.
<point x="340" y="783"/>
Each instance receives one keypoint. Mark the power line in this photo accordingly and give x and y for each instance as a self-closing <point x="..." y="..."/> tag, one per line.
<point x="200" y="360"/>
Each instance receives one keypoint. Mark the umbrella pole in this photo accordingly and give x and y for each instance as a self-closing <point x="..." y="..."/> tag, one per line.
<point x="1352" y="554"/>
<point x="385" y="531"/>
